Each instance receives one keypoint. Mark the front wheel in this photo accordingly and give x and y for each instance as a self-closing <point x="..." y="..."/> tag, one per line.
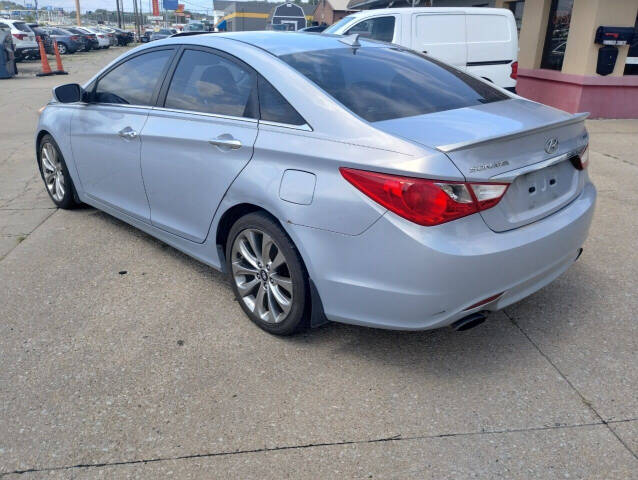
<point x="62" y="49"/>
<point x="267" y="274"/>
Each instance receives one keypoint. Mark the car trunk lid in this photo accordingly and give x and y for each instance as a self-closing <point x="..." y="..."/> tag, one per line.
<point x="506" y="142"/>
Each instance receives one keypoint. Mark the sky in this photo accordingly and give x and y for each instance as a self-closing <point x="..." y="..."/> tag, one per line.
<point x="194" y="5"/>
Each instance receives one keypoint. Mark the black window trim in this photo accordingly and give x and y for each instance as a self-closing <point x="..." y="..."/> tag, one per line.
<point x="304" y="126"/>
<point x="153" y="101"/>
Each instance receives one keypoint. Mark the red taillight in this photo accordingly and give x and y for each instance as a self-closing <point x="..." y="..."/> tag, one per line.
<point x="20" y="36"/>
<point x="514" y="73"/>
<point x="101" y="36"/>
<point x="581" y="161"/>
<point x="75" y="38"/>
<point x="424" y="201"/>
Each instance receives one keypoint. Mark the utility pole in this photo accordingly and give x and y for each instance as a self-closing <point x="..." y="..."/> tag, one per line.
<point x="137" y="19"/>
<point x="77" y="12"/>
<point x="119" y="13"/>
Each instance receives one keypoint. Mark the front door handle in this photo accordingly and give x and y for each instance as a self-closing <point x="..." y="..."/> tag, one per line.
<point x="127" y="133"/>
<point x="226" y="142"/>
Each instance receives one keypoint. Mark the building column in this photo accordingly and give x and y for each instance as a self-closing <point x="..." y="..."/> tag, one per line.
<point x="532" y="37"/>
<point x="581" y="55"/>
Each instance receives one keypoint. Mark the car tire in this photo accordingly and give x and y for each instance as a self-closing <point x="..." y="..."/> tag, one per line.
<point x="55" y="174"/>
<point x="62" y="48"/>
<point x="271" y="286"/>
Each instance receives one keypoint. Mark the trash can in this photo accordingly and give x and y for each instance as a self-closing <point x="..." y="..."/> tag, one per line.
<point x="7" y="59"/>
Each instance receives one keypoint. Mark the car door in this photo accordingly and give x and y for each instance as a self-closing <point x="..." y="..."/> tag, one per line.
<point x="441" y="36"/>
<point x="105" y="133"/>
<point x="198" y="140"/>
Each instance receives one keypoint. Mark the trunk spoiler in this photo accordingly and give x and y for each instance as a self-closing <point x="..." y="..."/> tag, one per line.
<point x="453" y="147"/>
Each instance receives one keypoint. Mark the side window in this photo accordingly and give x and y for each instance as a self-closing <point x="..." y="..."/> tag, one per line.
<point x="378" y="28"/>
<point x="134" y="81"/>
<point x="208" y="83"/>
<point x="273" y="107"/>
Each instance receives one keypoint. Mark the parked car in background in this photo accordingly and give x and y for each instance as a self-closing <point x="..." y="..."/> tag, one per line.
<point x="44" y="36"/>
<point x="123" y="37"/>
<point x="101" y="37"/>
<point x="348" y="180"/>
<point x="480" y="41"/>
<point x="195" y="27"/>
<point x="162" y="33"/>
<point x="146" y="36"/>
<point x="24" y="40"/>
<point x="67" y="42"/>
<point x="109" y="34"/>
<point x="88" y="39"/>
<point x="314" y="29"/>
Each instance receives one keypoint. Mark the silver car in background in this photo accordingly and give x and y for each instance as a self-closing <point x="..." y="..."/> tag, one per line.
<point x="330" y="177"/>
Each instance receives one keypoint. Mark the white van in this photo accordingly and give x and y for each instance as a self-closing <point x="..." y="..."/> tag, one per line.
<point x="481" y="41"/>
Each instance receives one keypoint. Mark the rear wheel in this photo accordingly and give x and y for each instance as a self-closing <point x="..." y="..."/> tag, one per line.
<point x="62" y="49"/>
<point x="267" y="274"/>
<point x="55" y="174"/>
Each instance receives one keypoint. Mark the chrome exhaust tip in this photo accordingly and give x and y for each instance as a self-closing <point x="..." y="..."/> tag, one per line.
<point x="471" y="321"/>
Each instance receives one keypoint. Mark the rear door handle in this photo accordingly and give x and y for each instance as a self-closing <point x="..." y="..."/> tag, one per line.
<point x="226" y="142"/>
<point x="127" y="133"/>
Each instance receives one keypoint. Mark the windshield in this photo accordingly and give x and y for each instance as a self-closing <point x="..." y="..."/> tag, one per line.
<point x="341" y="23"/>
<point x="385" y="83"/>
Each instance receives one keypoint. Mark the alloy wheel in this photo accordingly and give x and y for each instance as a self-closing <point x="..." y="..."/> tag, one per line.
<point x="260" y="272"/>
<point x="52" y="172"/>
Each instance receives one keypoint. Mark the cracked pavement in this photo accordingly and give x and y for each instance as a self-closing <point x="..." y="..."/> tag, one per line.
<point x="123" y="358"/>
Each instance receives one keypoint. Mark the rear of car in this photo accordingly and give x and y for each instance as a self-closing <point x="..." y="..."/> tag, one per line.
<point x="509" y="214"/>
<point x="44" y="36"/>
<point x="24" y="40"/>
<point x="480" y="41"/>
<point x="67" y="42"/>
<point x="85" y="38"/>
<point x="101" y="37"/>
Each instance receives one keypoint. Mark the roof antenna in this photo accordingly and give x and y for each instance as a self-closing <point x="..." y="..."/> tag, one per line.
<point x="352" y="40"/>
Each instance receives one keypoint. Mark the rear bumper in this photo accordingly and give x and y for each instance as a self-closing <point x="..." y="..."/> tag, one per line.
<point x="399" y="275"/>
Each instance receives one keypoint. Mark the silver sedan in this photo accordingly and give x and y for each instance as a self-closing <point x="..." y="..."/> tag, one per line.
<point x="332" y="178"/>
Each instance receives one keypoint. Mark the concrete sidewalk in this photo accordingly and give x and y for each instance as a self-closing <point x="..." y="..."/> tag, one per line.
<point x="123" y="358"/>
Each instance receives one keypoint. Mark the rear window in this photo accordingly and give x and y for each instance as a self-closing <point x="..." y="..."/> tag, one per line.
<point x="385" y="83"/>
<point x="23" y="27"/>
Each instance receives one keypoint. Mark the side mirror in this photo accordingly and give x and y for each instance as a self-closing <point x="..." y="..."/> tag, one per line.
<point x="69" y="93"/>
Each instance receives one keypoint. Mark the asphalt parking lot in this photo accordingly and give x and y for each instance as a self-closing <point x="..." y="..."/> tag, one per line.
<point x="123" y="358"/>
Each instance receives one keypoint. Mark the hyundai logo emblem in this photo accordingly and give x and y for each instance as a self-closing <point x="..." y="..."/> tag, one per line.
<point x="551" y="145"/>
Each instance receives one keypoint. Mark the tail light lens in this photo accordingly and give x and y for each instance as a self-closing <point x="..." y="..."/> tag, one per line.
<point x="514" y="73"/>
<point x="424" y="201"/>
<point x="75" y="38"/>
<point x="581" y="161"/>
<point x="20" y="36"/>
<point x="101" y="36"/>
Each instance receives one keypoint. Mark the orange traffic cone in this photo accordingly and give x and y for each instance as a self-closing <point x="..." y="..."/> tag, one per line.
<point x="58" y="60"/>
<point x="46" y="69"/>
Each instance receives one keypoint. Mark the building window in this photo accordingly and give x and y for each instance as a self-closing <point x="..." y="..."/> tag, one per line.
<point x="560" y="15"/>
<point x="517" y="7"/>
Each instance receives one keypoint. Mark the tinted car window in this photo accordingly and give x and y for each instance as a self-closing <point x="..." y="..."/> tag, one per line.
<point x="4" y="26"/>
<point x="385" y="83"/>
<point x="23" y="27"/>
<point x="205" y="82"/>
<point x="273" y="107"/>
<point x="134" y="81"/>
<point x="379" y="28"/>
